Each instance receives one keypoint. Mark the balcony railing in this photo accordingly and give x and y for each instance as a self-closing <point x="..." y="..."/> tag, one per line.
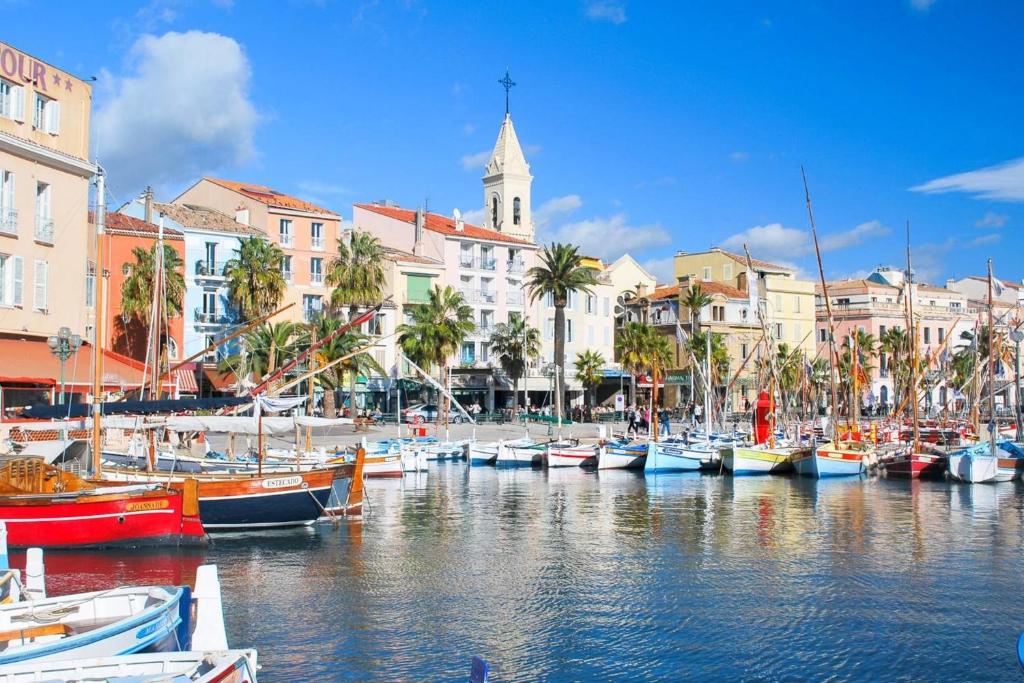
<point x="287" y="239"/>
<point x="487" y="296"/>
<point x="309" y="314"/>
<point x="514" y="297"/>
<point x="466" y="261"/>
<point x="211" y="317"/>
<point x="206" y="268"/>
<point x="9" y="221"/>
<point x="483" y="263"/>
<point x="287" y="275"/>
<point x="317" y="243"/>
<point x="468" y="294"/>
<point x="487" y="263"/>
<point x="484" y="331"/>
<point x="316" y="279"/>
<point x="515" y="267"/>
<point x="44" y="230"/>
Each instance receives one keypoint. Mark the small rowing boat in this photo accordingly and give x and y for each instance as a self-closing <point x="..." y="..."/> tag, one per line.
<point x="832" y="459"/>
<point x="760" y="459"/>
<point x="571" y="454"/>
<point x="677" y="457"/>
<point x="622" y="455"/>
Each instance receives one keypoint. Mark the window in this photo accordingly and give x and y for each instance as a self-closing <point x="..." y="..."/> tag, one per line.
<point x="375" y="325"/>
<point x="209" y="313"/>
<point x="515" y="211"/>
<point x="316" y="271"/>
<point x="494" y="212"/>
<point x="466" y="255"/>
<point x="44" y="224"/>
<point x="571" y="300"/>
<point x="286" y="268"/>
<point x="590" y="334"/>
<point x="8" y="214"/>
<point x="780" y="331"/>
<point x="796" y="332"/>
<point x="8" y="92"/>
<point x="10" y="280"/>
<point x="468" y="354"/>
<point x="46" y="114"/>
<point x="796" y="304"/>
<point x="727" y="271"/>
<point x="706" y="274"/>
<point x="743" y="350"/>
<point x="606" y="304"/>
<point x="485" y="352"/>
<point x="927" y="335"/>
<point x="549" y="328"/>
<point x="316" y="235"/>
<point x="607" y="336"/>
<point x="942" y="335"/>
<point x="487" y="261"/>
<point x="568" y="331"/>
<point x="778" y="303"/>
<point x="549" y="300"/>
<point x="312" y="306"/>
<point x="881" y="331"/>
<point x="285" y="232"/>
<point x="41" y="275"/>
<point x="591" y="303"/>
<point x="90" y="284"/>
<point x="211" y="256"/>
<point x="486" y="321"/>
<point x="822" y="335"/>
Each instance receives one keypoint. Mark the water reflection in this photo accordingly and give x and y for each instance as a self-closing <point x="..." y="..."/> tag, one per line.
<point x="576" y="575"/>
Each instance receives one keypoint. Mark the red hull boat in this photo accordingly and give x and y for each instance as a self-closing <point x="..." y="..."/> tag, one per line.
<point x="46" y="507"/>
<point x="916" y="465"/>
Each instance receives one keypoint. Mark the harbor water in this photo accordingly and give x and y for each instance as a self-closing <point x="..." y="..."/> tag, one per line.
<point x="569" y="575"/>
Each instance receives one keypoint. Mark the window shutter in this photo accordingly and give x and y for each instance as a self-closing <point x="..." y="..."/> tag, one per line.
<point x="8" y="198"/>
<point x="39" y="295"/>
<point x="53" y="117"/>
<point x="19" y="270"/>
<point x="18" y="103"/>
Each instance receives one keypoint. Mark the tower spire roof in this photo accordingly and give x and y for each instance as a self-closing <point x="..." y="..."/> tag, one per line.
<point x="507" y="156"/>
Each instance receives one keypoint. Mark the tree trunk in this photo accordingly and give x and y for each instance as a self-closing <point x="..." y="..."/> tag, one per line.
<point x="515" y="396"/>
<point x="442" y="403"/>
<point x="352" y="311"/>
<point x="330" y="402"/>
<point x="559" y="357"/>
<point x="654" y="403"/>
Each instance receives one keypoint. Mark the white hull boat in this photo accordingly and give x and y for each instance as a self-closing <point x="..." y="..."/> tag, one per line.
<point x="521" y="455"/>
<point x="622" y="457"/>
<point x="677" y="457"/>
<point x="179" y="667"/>
<point x="571" y="455"/>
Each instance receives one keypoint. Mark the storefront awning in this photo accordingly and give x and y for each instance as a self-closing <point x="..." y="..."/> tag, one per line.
<point x="30" y="361"/>
<point x="186" y="378"/>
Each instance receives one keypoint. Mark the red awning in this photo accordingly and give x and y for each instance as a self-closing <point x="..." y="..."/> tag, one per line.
<point x="30" y="361"/>
<point x="186" y="377"/>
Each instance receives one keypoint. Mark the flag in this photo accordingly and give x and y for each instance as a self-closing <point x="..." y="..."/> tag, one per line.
<point x="997" y="286"/>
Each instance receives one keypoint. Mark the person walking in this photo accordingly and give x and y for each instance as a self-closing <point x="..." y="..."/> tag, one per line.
<point x="631" y="423"/>
<point x="664" y="428"/>
<point x="697" y="412"/>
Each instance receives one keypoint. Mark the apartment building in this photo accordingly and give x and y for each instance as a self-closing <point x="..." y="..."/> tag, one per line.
<point x="307" y="234"/>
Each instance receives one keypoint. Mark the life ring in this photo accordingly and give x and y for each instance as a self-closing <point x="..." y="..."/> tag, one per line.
<point x="417" y="419"/>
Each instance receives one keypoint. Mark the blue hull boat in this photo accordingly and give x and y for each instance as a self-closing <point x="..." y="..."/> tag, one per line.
<point x="666" y="457"/>
<point x="827" y="460"/>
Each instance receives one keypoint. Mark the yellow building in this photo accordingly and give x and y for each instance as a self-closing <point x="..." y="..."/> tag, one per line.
<point x="787" y="302"/>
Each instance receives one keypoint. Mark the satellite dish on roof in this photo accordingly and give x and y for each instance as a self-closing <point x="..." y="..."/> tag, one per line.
<point x="620" y="303"/>
<point x="457" y="214"/>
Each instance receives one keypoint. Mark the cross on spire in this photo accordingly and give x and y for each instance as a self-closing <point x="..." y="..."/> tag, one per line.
<point x="508" y="84"/>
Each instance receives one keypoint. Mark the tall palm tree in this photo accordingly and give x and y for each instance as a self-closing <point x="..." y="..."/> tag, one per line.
<point x="561" y="272"/>
<point x="895" y="344"/>
<point x="436" y="332"/>
<point x="137" y="290"/>
<point x="694" y="299"/>
<point x="507" y="344"/>
<point x="266" y="347"/>
<point x="340" y="346"/>
<point x="357" y="276"/>
<point x="642" y="349"/>
<point x="590" y="371"/>
<point x="256" y="285"/>
<point x="719" y="355"/>
<point x="866" y="352"/>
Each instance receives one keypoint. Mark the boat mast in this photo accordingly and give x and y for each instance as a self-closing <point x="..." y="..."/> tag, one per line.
<point x="707" y="384"/>
<point x="912" y="329"/>
<point x="97" y="359"/>
<point x="828" y="310"/>
<point x="993" y="425"/>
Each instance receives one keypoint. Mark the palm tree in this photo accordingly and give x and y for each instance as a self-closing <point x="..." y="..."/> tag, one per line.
<point x="266" y="347"/>
<point x="561" y="273"/>
<point x="642" y="349"/>
<point x="435" y="333"/>
<point x="256" y="285"/>
<point x="589" y="369"/>
<point x="895" y="345"/>
<point x="357" y="275"/>
<point x="137" y="289"/>
<point x="507" y="343"/>
<point x="695" y="300"/>
<point x="340" y="346"/>
<point x="866" y="351"/>
<point x="719" y="355"/>
<point x="788" y="369"/>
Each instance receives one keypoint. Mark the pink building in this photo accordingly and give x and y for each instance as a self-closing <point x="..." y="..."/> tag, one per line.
<point x="875" y="305"/>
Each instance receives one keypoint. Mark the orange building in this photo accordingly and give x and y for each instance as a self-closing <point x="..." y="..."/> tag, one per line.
<point x="307" y="233"/>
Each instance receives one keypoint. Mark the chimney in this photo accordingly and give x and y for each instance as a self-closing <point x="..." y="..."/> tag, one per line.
<point x="417" y="247"/>
<point x="149" y="204"/>
<point x="950" y="283"/>
<point x="242" y="214"/>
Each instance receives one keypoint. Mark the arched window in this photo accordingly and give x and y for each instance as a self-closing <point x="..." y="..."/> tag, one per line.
<point x="172" y="348"/>
<point x="494" y="211"/>
<point x="515" y="211"/>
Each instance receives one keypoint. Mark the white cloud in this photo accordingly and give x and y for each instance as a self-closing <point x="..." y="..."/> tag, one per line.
<point x="772" y="242"/>
<point x="555" y="208"/>
<point x="609" y="237"/>
<point x="991" y="219"/>
<point x="853" y="236"/>
<point x="922" y="5"/>
<point x="739" y="157"/>
<point x="1002" y="181"/>
<point x="613" y="11"/>
<point x="471" y="162"/>
<point x="468" y="129"/>
<point x="663" y="269"/>
<point x="473" y="216"/>
<point x="184" y="110"/>
<point x="990" y="238"/>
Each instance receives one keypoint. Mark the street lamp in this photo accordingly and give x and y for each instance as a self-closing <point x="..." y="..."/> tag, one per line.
<point x="63" y="346"/>
<point x="1017" y="336"/>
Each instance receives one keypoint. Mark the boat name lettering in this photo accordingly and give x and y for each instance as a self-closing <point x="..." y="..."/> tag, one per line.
<point x="281" y="482"/>
<point x="147" y="505"/>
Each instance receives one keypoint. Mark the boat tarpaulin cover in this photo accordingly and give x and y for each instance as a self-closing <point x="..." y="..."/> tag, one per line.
<point x="48" y="412"/>
<point x="199" y="423"/>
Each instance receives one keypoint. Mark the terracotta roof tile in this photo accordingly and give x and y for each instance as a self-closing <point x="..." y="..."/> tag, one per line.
<point x="672" y="291"/>
<point x="204" y="218"/>
<point x="271" y="197"/>
<point x="123" y="224"/>
<point x="443" y="224"/>
<point x="757" y="263"/>
<point x="406" y="257"/>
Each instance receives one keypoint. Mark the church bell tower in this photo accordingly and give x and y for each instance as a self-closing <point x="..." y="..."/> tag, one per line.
<point x="507" y="182"/>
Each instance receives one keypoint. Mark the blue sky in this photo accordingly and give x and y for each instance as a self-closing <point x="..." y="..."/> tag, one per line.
<point x="650" y="127"/>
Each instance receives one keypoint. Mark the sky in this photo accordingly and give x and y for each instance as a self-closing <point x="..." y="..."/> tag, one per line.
<point x="650" y="127"/>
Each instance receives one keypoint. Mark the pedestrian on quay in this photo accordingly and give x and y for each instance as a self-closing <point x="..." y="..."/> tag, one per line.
<point x="630" y="420"/>
<point x="697" y="412"/>
<point x="664" y="427"/>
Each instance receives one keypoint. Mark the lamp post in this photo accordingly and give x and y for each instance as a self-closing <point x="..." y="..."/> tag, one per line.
<point x="63" y="345"/>
<point x="1017" y="336"/>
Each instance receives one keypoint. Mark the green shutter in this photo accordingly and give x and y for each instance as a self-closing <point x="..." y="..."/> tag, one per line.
<point x="417" y="288"/>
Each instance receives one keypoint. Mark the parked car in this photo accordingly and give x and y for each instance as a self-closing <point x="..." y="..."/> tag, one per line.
<point x="427" y="412"/>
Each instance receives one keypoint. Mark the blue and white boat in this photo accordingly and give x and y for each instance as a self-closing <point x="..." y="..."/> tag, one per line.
<point x="622" y="455"/>
<point x="484" y="453"/>
<point x="831" y="460"/>
<point x="981" y="463"/>
<point x="519" y="454"/>
<point x="676" y="456"/>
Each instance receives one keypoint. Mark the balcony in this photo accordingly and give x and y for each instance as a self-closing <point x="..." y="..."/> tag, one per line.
<point x="484" y="263"/>
<point x="316" y="279"/>
<point x="211" y="317"/>
<point x="515" y="267"/>
<point x="44" y="230"/>
<point x="466" y="261"/>
<point x="287" y="239"/>
<point x="515" y="297"/>
<point x="317" y="244"/>
<point x="210" y="269"/>
<point x="311" y="313"/>
<point x="483" y="331"/>
<point x="468" y="294"/>
<point x="8" y="221"/>
<point x="487" y="296"/>
<point x="487" y="263"/>
<point x="287" y="275"/>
